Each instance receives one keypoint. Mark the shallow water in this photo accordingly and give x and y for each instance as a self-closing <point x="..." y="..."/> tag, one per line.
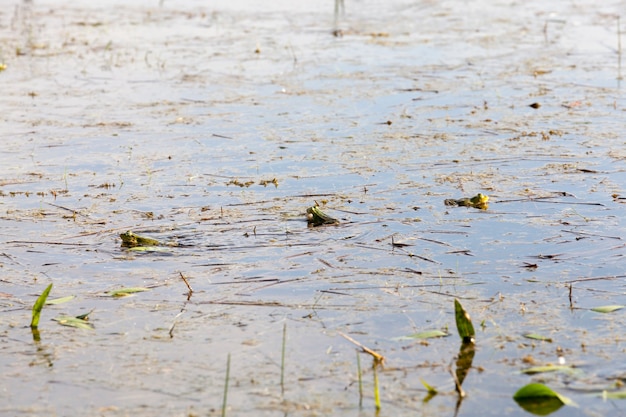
<point x="144" y="117"/>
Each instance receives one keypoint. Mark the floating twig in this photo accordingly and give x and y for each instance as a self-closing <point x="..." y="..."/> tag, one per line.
<point x="187" y="284"/>
<point x="571" y="304"/>
<point x="377" y="356"/>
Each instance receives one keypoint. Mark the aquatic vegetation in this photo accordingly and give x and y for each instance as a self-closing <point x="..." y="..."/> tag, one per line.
<point x="463" y="323"/>
<point x="540" y="399"/>
<point x="38" y="306"/>
<point x="124" y="292"/>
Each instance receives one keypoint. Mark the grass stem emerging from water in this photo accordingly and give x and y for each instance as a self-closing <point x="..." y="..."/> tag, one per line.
<point x="376" y="387"/>
<point x="282" y="361"/>
<point x="38" y="306"/>
<point x="226" y="386"/>
<point x="360" y="378"/>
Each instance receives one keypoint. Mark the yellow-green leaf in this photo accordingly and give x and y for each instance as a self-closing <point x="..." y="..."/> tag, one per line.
<point x="431" y="390"/>
<point x="427" y="334"/>
<point x="614" y="395"/>
<point x="546" y="368"/>
<point x="123" y="292"/>
<point x="73" y="322"/>
<point x="60" y="300"/>
<point x="536" y="336"/>
<point x="147" y="249"/>
<point x="607" y="309"/>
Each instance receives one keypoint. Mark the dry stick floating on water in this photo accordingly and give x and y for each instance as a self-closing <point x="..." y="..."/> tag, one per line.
<point x="377" y="356"/>
<point x="608" y="277"/>
<point x="571" y="304"/>
<point x="171" y="331"/>
<point x="74" y="212"/>
<point x="187" y="284"/>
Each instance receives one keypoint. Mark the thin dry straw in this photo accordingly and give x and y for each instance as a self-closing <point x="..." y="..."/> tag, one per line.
<point x="619" y="49"/>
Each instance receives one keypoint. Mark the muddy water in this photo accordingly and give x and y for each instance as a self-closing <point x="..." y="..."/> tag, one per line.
<point x="216" y="125"/>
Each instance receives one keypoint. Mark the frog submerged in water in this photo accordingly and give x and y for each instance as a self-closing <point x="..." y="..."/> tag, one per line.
<point x="317" y="217"/>
<point x="131" y="240"/>
<point x="479" y="201"/>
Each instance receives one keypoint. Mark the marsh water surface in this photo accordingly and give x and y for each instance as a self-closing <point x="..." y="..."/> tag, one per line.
<point x="214" y="125"/>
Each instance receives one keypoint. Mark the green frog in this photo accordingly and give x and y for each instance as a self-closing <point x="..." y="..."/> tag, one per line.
<point x="316" y="217"/>
<point x="131" y="240"/>
<point x="479" y="201"/>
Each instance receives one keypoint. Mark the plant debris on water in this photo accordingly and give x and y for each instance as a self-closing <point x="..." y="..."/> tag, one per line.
<point x="283" y="185"/>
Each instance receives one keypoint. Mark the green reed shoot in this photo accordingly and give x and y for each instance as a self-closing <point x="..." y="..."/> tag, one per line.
<point x="463" y="323"/>
<point x="360" y="378"/>
<point x="376" y="387"/>
<point x="226" y="386"/>
<point x="38" y="306"/>
<point x="282" y="361"/>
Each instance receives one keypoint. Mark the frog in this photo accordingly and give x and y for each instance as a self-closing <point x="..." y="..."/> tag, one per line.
<point x="316" y="217"/>
<point x="479" y="201"/>
<point x="131" y="240"/>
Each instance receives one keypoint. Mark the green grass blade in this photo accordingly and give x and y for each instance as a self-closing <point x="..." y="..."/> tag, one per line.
<point x="74" y="322"/>
<point x="426" y="334"/>
<point x="38" y="306"/>
<point x="463" y="323"/>
<point x="547" y="368"/>
<point x="123" y="292"/>
<point x="607" y="309"/>
<point x="536" y="336"/>
<point x="224" y="401"/>
<point x="282" y="361"/>
<point x="60" y="300"/>
<point x="614" y="395"/>
<point x="431" y="390"/>
<point x="376" y="386"/>
<point x="360" y="376"/>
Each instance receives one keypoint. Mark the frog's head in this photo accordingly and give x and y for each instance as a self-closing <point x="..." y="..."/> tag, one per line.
<point x="480" y="199"/>
<point x="128" y="238"/>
